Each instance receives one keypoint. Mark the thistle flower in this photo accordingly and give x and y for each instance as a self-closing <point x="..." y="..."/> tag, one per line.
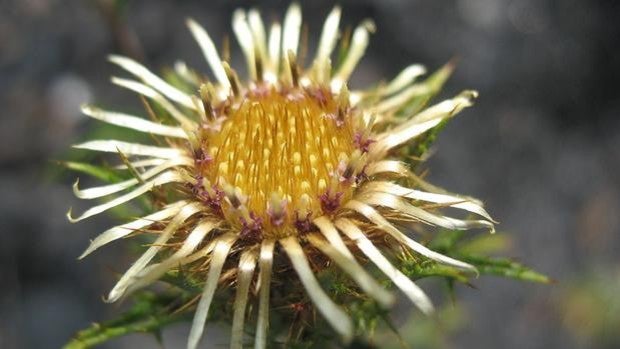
<point x="289" y="162"/>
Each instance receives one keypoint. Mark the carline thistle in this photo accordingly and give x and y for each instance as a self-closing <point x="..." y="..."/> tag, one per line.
<point x="287" y="163"/>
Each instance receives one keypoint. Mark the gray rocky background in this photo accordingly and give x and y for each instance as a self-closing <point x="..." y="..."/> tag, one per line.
<point x="541" y="147"/>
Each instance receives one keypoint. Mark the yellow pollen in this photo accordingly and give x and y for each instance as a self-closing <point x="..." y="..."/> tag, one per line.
<point x="280" y="145"/>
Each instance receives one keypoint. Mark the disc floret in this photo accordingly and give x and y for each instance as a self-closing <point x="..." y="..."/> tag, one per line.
<point x="284" y="149"/>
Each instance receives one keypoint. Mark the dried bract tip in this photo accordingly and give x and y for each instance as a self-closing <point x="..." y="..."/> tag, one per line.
<point x="206" y="93"/>
<point x="235" y="85"/>
<point x="293" y="68"/>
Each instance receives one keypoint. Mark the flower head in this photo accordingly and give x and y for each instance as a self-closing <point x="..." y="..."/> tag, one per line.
<point x="288" y="162"/>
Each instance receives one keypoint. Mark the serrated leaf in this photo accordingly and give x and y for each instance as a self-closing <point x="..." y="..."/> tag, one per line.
<point x="452" y="244"/>
<point x="504" y="267"/>
<point x="149" y="314"/>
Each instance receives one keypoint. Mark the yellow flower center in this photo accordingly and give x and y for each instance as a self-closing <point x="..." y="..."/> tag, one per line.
<point x="280" y="157"/>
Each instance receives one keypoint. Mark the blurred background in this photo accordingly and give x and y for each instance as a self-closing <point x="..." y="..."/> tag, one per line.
<point x="541" y="148"/>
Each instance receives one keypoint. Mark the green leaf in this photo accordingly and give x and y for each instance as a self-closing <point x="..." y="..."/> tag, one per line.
<point x="180" y="279"/>
<point x="110" y="175"/>
<point x="419" y="270"/>
<point x="446" y="240"/>
<point x="149" y="313"/>
<point x="177" y="81"/>
<point x="434" y="83"/>
<point x="343" y="48"/>
<point x="425" y="141"/>
<point x="105" y="174"/>
<point x="505" y="268"/>
<point x="472" y="251"/>
<point x="486" y="244"/>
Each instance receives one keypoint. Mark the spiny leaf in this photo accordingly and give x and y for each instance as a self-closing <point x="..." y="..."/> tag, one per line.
<point x="149" y="313"/>
<point x="505" y="268"/>
<point x="452" y="244"/>
<point x="416" y="270"/>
